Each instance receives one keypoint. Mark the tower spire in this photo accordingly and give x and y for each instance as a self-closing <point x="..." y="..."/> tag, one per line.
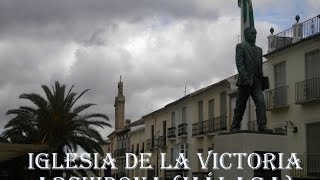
<point x="119" y="107"/>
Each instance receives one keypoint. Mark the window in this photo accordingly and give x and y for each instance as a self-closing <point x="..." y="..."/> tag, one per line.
<point x="280" y="74"/>
<point x="164" y="130"/>
<point x="313" y="144"/>
<point x="313" y="149"/>
<point x="152" y="136"/>
<point x="142" y="149"/>
<point x="184" y="149"/>
<point x="223" y="104"/>
<point x="313" y="75"/>
<point x="173" y="158"/>
<point x="211" y="115"/>
<point x="280" y="91"/>
<point x="173" y="119"/>
<point x="233" y="105"/>
<point x="184" y="115"/>
<point x="122" y="143"/>
<point x="200" y="116"/>
<point x="313" y="64"/>
<point x="174" y="153"/>
<point x="200" y="111"/>
<point x="211" y="108"/>
<point x="137" y="150"/>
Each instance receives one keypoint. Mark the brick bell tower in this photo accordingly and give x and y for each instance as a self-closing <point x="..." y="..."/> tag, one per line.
<point x="119" y="108"/>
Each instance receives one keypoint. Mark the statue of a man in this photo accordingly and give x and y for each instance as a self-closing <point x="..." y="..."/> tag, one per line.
<point x="249" y="65"/>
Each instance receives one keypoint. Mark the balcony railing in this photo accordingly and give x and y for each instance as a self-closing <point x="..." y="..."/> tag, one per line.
<point x="311" y="27"/>
<point x="159" y="141"/>
<point x="308" y="90"/>
<point x="283" y="39"/>
<point x="120" y="152"/>
<point x="217" y="124"/>
<point x="310" y="167"/>
<point x="199" y="128"/>
<point x="209" y="126"/>
<point x="156" y="143"/>
<point x="276" y="98"/>
<point x="172" y="132"/>
<point x="182" y="129"/>
<point x="307" y="28"/>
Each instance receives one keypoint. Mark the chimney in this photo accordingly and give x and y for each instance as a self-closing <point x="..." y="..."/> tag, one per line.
<point x="127" y="124"/>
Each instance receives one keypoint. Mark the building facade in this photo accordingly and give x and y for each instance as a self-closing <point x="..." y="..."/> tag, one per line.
<point x="293" y="98"/>
<point x="190" y="124"/>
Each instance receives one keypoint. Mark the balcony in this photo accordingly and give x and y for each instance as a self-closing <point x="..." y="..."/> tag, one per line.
<point x="308" y="90"/>
<point x="310" y="167"/>
<point x="292" y="35"/>
<point x="198" y="129"/>
<point x="171" y="133"/>
<point x="277" y="98"/>
<point x="217" y="124"/>
<point x="120" y="152"/>
<point x="182" y="130"/>
<point x="160" y="141"/>
<point x="157" y="142"/>
<point x="209" y="126"/>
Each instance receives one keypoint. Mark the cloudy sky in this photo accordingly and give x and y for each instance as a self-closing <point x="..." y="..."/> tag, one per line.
<point x="158" y="46"/>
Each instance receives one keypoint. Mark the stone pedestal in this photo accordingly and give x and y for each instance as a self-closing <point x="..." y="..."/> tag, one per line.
<point x="249" y="142"/>
<point x="297" y="32"/>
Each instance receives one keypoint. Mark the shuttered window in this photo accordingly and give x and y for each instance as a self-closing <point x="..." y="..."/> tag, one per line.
<point x="313" y="144"/>
<point x="173" y="119"/>
<point x="200" y="111"/>
<point x="184" y="115"/>
<point x="211" y="108"/>
<point x="223" y="104"/>
<point x="313" y="64"/>
<point x="280" y="74"/>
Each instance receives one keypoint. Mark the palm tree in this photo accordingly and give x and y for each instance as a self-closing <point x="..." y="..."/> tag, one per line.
<point x="55" y="120"/>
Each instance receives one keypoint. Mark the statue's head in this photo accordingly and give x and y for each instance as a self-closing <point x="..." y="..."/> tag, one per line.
<point x="250" y="35"/>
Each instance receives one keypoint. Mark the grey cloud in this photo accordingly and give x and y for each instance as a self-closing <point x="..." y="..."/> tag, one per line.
<point x="172" y="57"/>
<point x="83" y="21"/>
<point x="157" y="46"/>
<point x="80" y="20"/>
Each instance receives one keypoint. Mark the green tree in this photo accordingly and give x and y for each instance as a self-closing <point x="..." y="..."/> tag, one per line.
<point x="56" y="121"/>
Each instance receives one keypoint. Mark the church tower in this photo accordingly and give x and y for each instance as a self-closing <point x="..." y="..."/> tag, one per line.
<point x="119" y="108"/>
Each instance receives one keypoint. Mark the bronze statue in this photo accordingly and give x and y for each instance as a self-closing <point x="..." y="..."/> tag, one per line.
<point x="250" y="81"/>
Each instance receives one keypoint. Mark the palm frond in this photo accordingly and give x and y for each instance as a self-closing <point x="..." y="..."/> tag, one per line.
<point x="82" y="107"/>
<point x="55" y="121"/>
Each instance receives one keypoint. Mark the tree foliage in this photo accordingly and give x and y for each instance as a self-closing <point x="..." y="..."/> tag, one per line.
<point x="56" y="120"/>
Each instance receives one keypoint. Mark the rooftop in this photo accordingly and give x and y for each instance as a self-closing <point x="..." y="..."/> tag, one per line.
<point x="299" y="32"/>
